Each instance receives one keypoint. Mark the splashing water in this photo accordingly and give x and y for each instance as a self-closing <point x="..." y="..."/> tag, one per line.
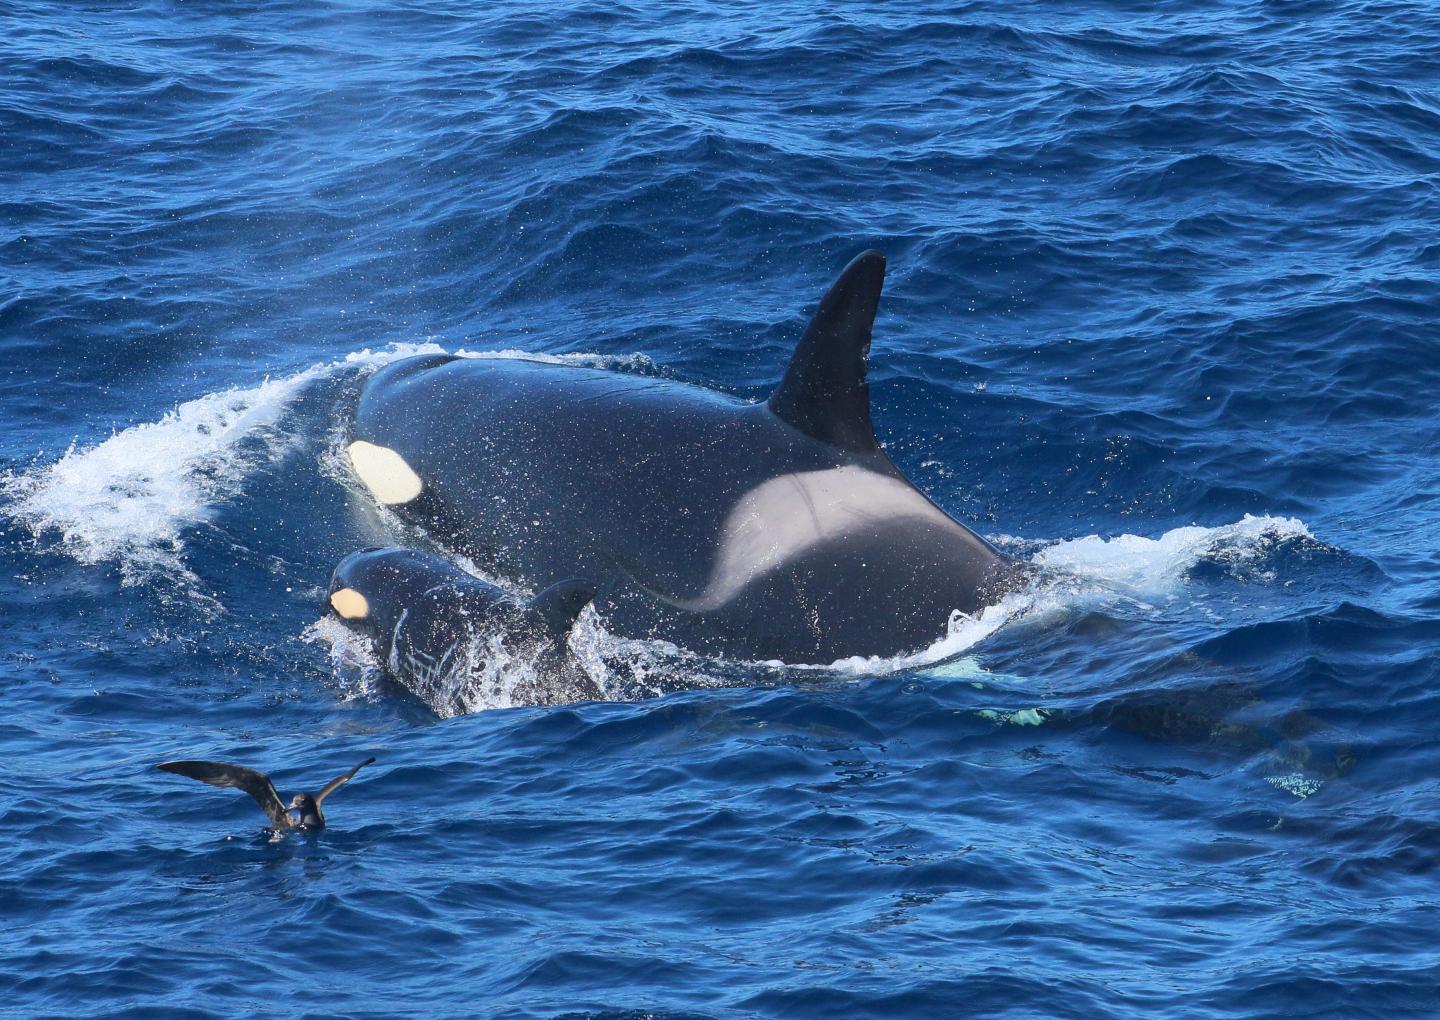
<point x="132" y="498"/>
<point x="626" y="668"/>
<point x="1155" y="566"/>
<point x="352" y="657"/>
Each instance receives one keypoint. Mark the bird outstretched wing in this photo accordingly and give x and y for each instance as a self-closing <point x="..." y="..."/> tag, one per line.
<point x="340" y="781"/>
<point x="256" y="784"/>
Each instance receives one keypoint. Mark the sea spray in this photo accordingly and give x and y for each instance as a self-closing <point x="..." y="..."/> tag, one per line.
<point x="131" y="498"/>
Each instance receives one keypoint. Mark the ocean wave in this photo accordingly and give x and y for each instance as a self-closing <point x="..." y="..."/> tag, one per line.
<point x="1186" y="250"/>
<point x="131" y="499"/>
<point x="1129" y="566"/>
<point x="1157" y="566"/>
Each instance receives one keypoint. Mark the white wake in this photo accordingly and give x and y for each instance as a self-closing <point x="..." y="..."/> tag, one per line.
<point x="1082" y="571"/>
<point x="132" y="498"/>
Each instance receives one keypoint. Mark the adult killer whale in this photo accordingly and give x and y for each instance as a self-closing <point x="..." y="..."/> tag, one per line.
<point x="777" y="530"/>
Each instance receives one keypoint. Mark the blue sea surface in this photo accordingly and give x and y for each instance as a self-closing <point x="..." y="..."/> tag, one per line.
<point x="1161" y="317"/>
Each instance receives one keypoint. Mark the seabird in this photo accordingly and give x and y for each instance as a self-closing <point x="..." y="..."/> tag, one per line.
<point x="258" y="785"/>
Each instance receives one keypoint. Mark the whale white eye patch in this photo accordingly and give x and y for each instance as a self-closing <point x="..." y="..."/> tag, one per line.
<point x="350" y="604"/>
<point x="384" y="472"/>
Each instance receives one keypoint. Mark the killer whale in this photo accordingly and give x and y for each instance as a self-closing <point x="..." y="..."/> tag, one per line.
<point x="422" y="613"/>
<point x="777" y="530"/>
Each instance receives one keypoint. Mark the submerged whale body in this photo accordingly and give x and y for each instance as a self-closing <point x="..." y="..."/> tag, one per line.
<point x="760" y="531"/>
<point x="423" y="615"/>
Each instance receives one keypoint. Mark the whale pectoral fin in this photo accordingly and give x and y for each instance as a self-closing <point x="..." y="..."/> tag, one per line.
<point x="824" y="393"/>
<point x="558" y="605"/>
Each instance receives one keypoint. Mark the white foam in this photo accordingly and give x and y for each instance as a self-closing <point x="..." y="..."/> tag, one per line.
<point x="131" y="499"/>
<point x="491" y="674"/>
<point x="352" y="656"/>
<point x="1024" y="717"/>
<point x="1297" y="784"/>
<point x="1080" y="571"/>
<point x="1158" y="566"/>
<point x="963" y="633"/>
<point x="485" y="674"/>
<point x="624" y="667"/>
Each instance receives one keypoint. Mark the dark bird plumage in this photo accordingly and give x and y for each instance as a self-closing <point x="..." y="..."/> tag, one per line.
<point x="258" y="785"/>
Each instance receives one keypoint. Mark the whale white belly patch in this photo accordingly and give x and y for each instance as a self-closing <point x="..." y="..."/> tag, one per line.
<point x="781" y="519"/>
<point x="384" y="472"/>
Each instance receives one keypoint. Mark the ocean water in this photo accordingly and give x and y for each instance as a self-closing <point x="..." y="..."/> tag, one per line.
<point x="1161" y="316"/>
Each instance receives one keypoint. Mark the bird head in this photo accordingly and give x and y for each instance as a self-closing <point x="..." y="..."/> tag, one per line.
<point x="309" y="810"/>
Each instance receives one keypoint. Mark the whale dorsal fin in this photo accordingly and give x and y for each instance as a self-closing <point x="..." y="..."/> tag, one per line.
<point x="559" y="605"/>
<point x="824" y="394"/>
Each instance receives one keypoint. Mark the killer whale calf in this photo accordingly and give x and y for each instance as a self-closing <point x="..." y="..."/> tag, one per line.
<point x="777" y="530"/>
<point x="309" y="806"/>
<point x="423" y="614"/>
